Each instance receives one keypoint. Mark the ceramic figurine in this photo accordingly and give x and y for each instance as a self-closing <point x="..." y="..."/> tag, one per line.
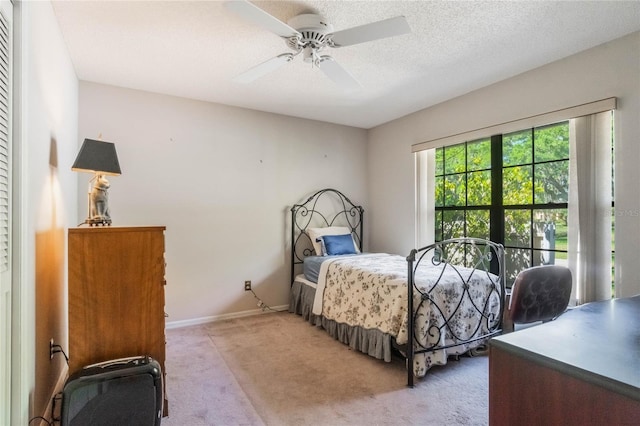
<point x="99" y="208"/>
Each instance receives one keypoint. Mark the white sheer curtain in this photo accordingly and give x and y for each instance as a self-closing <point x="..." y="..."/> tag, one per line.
<point x="425" y="188"/>
<point x="589" y="232"/>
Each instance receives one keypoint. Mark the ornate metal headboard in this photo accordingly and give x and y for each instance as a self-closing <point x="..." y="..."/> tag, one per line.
<point x="327" y="207"/>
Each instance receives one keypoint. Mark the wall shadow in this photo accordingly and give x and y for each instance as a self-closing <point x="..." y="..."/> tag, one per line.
<point x="50" y="313"/>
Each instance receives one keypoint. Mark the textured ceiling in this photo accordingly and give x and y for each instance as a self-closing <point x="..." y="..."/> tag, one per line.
<point x="193" y="49"/>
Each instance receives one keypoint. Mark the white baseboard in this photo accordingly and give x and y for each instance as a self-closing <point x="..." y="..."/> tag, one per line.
<point x="204" y="320"/>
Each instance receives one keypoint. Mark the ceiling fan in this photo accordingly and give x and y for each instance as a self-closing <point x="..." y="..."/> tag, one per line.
<point x="308" y="34"/>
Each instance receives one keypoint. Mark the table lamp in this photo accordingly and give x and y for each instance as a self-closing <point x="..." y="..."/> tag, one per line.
<point x="100" y="158"/>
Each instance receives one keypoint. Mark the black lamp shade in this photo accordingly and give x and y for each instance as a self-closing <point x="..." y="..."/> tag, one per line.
<point x="97" y="157"/>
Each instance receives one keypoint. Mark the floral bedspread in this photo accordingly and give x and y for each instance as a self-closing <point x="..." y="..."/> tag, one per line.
<point x="370" y="291"/>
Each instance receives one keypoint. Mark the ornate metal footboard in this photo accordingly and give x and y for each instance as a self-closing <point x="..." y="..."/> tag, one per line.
<point x="477" y="296"/>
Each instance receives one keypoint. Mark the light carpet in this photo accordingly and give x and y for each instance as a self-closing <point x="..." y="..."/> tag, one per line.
<point x="277" y="369"/>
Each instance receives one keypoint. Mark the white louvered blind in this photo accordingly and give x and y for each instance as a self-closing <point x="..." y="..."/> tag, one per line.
<point x="4" y="144"/>
<point x="6" y="323"/>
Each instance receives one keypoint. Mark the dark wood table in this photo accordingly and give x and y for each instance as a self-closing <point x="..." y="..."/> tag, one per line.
<point x="583" y="369"/>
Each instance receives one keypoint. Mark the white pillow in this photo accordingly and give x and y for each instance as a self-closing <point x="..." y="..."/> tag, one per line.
<point x="315" y="233"/>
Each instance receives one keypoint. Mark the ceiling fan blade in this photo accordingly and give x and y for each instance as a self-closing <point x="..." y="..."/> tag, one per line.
<point x="369" y="32"/>
<point x="263" y="68"/>
<point x="339" y="75"/>
<point x="253" y="13"/>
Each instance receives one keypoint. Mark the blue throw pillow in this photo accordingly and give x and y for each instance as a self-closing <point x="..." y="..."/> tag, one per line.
<point x="339" y="244"/>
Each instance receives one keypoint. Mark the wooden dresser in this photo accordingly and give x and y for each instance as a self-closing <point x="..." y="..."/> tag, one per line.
<point x="116" y="295"/>
<point x="581" y="369"/>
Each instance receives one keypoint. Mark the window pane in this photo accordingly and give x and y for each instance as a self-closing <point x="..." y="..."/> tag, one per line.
<point x="613" y="164"/>
<point x="517" y="185"/>
<point x="453" y="224"/>
<point x="613" y="229"/>
<point x="479" y="188"/>
<point x="516" y="260"/>
<point x="454" y="159"/>
<point x="439" y="192"/>
<point x="613" y="252"/>
<point x="454" y="192"/>
<point x="478" y="223"/>
<point x="552" y="142"/>
<point x="550" y="233"/>
<point x="438" y="220"/>
<point x="479" y="155"/>
<point x="517" y="228"/>
<point x="516" y="148"/>
<point x="439" y="162"/>
<point x="552" y="182"/>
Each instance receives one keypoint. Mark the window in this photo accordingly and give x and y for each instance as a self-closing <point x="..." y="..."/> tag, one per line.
<point x="511" y="188"/>
<point x="463" y="190"/>
<point x="535" y="185"/>
<point x="551" y="201"/>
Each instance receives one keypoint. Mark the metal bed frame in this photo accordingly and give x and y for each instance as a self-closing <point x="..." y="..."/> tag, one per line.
<point x="482" y="256"/>
<point x="310" y="213"/>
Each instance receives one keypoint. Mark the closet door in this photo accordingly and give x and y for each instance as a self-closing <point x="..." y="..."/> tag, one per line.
<point x="6" y="17"/>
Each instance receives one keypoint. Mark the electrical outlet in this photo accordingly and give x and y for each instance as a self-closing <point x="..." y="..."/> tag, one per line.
<point x="247" y="285"/>
<point x="51" y="349"/>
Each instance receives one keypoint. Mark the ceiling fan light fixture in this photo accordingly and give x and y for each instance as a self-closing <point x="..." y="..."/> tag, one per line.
<point x="309" y="54"/>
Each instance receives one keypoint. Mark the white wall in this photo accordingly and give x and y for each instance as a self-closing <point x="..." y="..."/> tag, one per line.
<point x="610" y="70"/>
<point x="222" y="180"/>
<point x="46" y="144"/>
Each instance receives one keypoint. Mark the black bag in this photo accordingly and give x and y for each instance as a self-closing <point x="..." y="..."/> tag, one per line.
<point x="121" y="392"/>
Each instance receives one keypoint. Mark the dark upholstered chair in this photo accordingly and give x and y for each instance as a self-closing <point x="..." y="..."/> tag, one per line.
<point x="540" y="293"/>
